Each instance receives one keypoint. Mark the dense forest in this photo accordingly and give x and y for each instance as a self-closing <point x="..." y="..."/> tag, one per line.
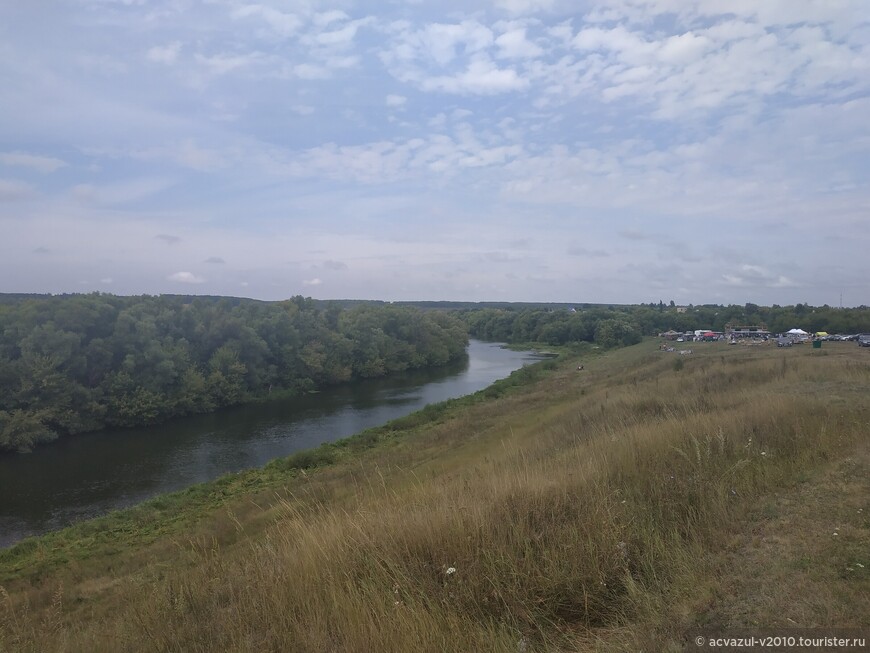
<point x="607" y="327"/>
<point x="624" y="325"/>
<point x="76" y="363"/>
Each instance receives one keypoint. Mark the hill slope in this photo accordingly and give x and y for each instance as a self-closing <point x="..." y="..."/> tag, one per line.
<point x="622" y="506"/>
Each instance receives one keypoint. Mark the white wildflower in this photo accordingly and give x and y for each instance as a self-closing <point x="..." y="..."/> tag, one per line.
<point x="450" y="570"/>
<point x="622" y="547"/>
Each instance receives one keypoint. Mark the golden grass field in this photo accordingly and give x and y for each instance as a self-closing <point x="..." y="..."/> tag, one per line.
<point x="621" y="507"/>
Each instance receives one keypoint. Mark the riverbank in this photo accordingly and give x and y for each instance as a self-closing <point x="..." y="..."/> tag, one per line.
<point x="581" y="510"/>
<point x="90" y="475"/>
<point x="178" y="512"/>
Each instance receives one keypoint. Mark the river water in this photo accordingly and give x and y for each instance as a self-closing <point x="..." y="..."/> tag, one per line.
<point x="91" y="474"/>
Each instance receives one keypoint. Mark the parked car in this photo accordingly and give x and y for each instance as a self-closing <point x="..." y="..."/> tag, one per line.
<point x="864" y="340"/>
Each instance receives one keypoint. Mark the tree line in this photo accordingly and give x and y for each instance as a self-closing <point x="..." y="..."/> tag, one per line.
<point x="607" y="327"/>
<point x="613" y="326"/>
<point x="777" y="319"/>
<point x="76" y="363"/>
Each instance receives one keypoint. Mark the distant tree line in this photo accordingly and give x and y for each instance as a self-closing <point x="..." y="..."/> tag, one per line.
<point x="777" y="319"/>
<point x="76" y="363"/>
<point x="607" y="327"/>
<point x="625" y="325"/>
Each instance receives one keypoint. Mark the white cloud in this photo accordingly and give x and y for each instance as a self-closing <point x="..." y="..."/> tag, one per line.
<point x="223" y="63"/>
<point x="754" y="275"/>
<point x="524" y="6"/>
<point x="481" y="77"/>
<point x="185" y="277"/>
<point x="839" y="15"/>
<point x="437" y="44"/>
<point x="438" y="121"/>
<point x="683" y="49"/>
<point x="281" y="23"/>
<point x="329" y="17"/>
<point x="700" y="122"/>
<point x="396" y="100"/>
<point x="513" y="44"/>
<point x="630" y="47"/>
<point x="311" y="71"/>
<point x="727" y="63"/>
<point x="312" y="282"/>
<point x="122" y="192"/>
<point x="43" y="164"/>
<point x="11" y="189"/>
<point x="190" y="155"/>
<point x="340" y="62"/>
<point x="165" y="54"/>
<point x="341" y="37"/>
<point x="386" y="161"/>
<point x="187" y="153"/>
<point x="440" y="41"/>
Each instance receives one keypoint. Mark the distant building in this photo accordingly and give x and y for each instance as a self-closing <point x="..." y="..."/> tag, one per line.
<point x="682" y="309"/>
<point x="746" y="331"/>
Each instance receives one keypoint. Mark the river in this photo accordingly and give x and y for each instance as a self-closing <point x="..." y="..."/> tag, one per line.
<point x="88" y="475"/>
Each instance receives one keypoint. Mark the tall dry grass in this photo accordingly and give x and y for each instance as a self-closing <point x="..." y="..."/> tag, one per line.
<point x="568" y="530"/>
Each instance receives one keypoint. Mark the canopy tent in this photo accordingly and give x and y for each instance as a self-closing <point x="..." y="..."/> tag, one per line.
<point x="798" y="332"/>
<point x="821" y="334"/>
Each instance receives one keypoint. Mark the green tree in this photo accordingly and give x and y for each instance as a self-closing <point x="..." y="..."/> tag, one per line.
<point x="616" y="333"/>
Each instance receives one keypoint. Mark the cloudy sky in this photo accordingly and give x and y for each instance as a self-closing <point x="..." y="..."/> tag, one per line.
<point x="525" y="150"/>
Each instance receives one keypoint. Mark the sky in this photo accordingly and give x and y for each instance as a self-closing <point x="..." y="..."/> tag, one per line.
<point x="629" y="151"/>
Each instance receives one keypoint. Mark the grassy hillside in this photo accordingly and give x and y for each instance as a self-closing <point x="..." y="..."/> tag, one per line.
<point x="622" y="506"/>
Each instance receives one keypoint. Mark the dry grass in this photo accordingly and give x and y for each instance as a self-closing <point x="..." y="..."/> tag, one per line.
<point x="585" y="512"/>
<point x="801" y="553"/>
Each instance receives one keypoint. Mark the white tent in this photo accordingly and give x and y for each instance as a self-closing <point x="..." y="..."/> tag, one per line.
<point x="797" y="332"/>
